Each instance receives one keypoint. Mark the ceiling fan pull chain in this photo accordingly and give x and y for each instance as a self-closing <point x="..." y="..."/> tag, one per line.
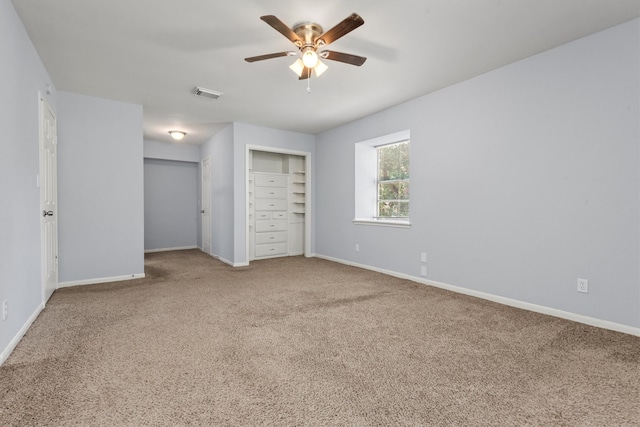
<point x="309" y="81"/>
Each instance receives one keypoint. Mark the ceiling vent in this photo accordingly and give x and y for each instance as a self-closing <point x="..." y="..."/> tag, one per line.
<point x="207" y="93"/>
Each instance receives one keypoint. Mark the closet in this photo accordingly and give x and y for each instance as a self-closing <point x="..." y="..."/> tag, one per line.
<point x="276" y="202"/>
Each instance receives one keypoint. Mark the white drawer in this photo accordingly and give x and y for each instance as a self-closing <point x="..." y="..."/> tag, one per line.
<point x="271" y="204"/>
<point x="279" y="215"/>
<point x="271" y="192"/>
<point x="263" y="215"/>
<point x="273" y="225"/>
<point x="275" y="237"/>
<point x="261" y="180"/>
<point x="273" y="249"/>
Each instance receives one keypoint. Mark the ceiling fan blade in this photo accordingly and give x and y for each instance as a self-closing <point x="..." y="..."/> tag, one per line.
<point x="347" y="58"/>
<point x="346" y="26"/>
<point x="283" y="29"/>
<point x="268" y="56"/>
<point x="306" y="73"/>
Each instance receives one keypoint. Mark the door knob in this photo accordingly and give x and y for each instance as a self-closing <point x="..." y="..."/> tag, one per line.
<point x="47" y="213"/>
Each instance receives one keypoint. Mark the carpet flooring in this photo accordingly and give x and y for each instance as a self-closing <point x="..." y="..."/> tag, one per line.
<point x="308" y="342"/>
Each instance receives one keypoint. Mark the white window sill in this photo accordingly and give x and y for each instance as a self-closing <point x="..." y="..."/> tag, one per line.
<point x="382" y="222"/>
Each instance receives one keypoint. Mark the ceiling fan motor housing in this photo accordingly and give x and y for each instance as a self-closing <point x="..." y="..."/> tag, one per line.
<point x="308" y="32"/>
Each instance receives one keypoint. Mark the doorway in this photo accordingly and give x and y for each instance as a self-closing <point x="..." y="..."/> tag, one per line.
<point x="48" y="181"/>
<point x="205" y="210"/>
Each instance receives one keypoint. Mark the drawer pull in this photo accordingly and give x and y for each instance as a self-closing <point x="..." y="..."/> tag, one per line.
<point x="271" y="238"/>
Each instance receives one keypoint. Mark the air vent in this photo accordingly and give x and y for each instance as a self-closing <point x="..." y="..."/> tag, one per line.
<point x="207" y="93"/>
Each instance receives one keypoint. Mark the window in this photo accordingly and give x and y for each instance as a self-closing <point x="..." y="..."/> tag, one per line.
<point x="382" y="181"/>
<point x="393" y="181"/>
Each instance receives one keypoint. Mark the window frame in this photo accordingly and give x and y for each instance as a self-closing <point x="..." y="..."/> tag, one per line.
<point x="366" y="176"/>
<point x="379" y="181"/>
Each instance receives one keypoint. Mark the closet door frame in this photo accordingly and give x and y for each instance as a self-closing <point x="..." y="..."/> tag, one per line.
<point x="308" y="187"/>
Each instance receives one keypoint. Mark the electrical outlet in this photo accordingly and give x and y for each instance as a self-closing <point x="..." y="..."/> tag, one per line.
<point x="5" y="309"/>
<point x="583" y="286"/>
<point x="423" y="270"/>
<point x="357" y="247"/>
<point x="423" y="257"/>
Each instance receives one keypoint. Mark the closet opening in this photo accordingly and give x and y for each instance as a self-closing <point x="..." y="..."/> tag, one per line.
<point x="277" y="203"/>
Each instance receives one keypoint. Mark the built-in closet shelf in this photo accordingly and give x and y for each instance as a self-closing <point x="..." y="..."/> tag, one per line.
<point x="276" y="193"/>
<point x="269" y="209"/>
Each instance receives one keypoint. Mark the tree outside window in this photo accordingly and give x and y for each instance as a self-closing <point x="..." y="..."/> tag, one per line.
<point x="393" y="181"/>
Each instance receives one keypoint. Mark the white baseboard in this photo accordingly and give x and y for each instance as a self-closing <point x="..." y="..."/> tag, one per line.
<point x="226" y="261"/>
<point x="100" y="280"/>
<point x="591" y="321"/>
<point x="14" y="342"/>
<point x="179" y="248"/>
<point x="240" y="264"/>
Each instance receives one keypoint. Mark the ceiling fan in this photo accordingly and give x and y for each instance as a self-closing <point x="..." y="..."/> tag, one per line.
<point x="309" y="39"/>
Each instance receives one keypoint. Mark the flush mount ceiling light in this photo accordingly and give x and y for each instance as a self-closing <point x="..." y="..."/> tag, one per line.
<point x="309" y="38"/>
<point x="177" y="134"/>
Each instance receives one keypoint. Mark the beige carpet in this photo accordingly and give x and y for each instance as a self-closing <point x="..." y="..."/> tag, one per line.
<point x="295" y="342"/>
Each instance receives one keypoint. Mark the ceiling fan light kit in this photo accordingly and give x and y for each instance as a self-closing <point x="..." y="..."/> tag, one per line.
<point x="297" y="67"/>
<point x="309" y="57"/>
<point x="320" y="68"/>
<point x="309" y="38"/>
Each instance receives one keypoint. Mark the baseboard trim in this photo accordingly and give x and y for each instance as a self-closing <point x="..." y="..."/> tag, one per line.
<point x="14" y="342"/>
<point x="100" y="280"/>
<point x="591" y="321"/>
<point x="179" y="248"/>
<point x="226" y="261"/>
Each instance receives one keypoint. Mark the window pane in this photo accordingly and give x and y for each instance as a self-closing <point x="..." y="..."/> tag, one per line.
<point x="393" y="180"/>
<point x="393" y="209"/>
<point x="393" y="190"/>
<point x="393" y="162"/>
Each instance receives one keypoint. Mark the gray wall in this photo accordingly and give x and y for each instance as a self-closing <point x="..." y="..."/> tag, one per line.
<point x="170" y="204"/>
<point x="244" y="135"/>
<point x="227" y="150"/>
<point x="22" y="77"/>
<point x="181" y="152"/>
<point x="220" y="150"/>
<point x="173" y="151"/>
<point x="100" y="188"/>
<point x="522" y="180"/>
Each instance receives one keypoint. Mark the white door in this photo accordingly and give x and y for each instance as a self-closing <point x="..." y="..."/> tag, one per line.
<point x="206" y="205"/>
<point x="48" y="200"/>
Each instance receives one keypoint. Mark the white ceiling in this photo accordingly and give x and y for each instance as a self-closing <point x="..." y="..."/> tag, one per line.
<point x="154" y="52"/>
